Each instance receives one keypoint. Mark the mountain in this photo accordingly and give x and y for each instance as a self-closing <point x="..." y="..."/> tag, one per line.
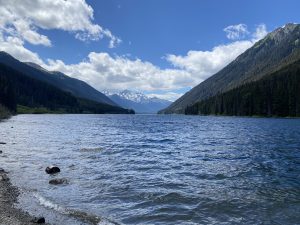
<point x="137" y="101"/>
<point x="277" y="94"/>
<point x="76" y="87"/>
<point x="20" y="93"/>
<point x="277" y="50"/>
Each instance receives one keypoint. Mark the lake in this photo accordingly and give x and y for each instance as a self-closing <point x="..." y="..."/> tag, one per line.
<point x="155" y="169"/>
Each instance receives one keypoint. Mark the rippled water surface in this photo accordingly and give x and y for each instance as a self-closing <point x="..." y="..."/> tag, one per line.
<point x="155" y="169"/>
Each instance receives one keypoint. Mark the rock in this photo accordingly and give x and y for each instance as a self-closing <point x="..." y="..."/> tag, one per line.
<point x="4" y="177"/>
<point x="52" y="169"/>
<point x="2" y="143"/>
<point x="39" y="220"/>
<point x="59" y="181"/>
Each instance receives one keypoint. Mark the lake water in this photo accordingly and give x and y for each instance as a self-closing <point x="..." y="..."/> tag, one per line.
<point x="155" y="169"/>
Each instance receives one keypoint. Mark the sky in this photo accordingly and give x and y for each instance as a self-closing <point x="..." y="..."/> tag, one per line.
<point x="162" y="48"/>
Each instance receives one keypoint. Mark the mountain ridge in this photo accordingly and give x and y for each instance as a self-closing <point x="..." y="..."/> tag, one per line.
<point x="273" y="52"/>
<point x="20" y="93"/>
<point x="275" y="95"/>
<point x="77" y="87"/>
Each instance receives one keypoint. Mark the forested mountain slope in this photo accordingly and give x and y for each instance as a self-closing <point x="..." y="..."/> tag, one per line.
<point x="277" y="94"/>
<point x="278" y="49"/>
<point x="20" y="93"/>
<point x="76" y="87"/>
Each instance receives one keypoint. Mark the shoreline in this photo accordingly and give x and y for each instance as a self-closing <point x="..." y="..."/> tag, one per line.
<point x="9" y="197"/>
<point x="9" y="214"/>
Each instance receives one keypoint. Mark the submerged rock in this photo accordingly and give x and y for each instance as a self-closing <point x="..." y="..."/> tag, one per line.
<point x="52" y="169"/>
<point x="39" y="220"/>
<point x="4" y="177"/>
<point x="97" y="149"/>
<point x="2" y="170"/>
<point x="59" y="181"/>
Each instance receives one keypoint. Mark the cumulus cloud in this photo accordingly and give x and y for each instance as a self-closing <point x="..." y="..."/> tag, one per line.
<point x="234" y="32"/>
<point x="170" y="96"/>
<point x="203" y="64"/>
<point x="106" y="72"/>
<point x="260" y="32"/>
<point x="24" y="18"/>
<point x="15" y="47"/>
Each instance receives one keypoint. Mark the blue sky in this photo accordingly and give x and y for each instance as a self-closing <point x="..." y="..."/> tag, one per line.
<point x="160" y="47"/>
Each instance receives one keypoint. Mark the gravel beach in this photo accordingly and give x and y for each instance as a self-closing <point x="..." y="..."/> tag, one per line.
<point x="9" y="215"/>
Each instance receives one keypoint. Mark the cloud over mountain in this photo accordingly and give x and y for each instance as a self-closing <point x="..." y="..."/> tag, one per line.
<point x="238" y="31"/>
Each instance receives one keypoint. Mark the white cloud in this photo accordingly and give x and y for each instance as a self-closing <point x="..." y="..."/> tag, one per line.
<point x="23" y="29"/>
<point x="15" y="47"/>
<point x="203" y="64"/>
<point x="170" y="96"/>
<point x="106" y="72"/>
<point x="234" y="32"/>
<point x="260" y="32"/>
<point x="24" y="18"/>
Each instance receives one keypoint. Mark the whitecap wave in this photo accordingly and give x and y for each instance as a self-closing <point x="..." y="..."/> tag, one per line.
<point x="82" y="216"/>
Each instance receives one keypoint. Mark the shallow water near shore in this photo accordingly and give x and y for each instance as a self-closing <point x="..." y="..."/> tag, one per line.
<point x="155" y="169"/>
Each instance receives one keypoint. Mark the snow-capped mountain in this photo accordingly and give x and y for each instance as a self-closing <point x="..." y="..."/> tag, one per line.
<point x="129" y="95"/>
<point x="137" y="101"/>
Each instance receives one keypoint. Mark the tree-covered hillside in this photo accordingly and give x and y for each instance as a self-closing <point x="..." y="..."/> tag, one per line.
<point x="20" y="93"/>
<point x="277" y="50"/>
<point x="59" y="80"/>
<point x="275" y="95"/>
<point x="7" y="97"/>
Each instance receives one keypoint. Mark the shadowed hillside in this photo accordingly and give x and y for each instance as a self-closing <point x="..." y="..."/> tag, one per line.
<point x="22" y="94"/>
<point x="76" y="87"/>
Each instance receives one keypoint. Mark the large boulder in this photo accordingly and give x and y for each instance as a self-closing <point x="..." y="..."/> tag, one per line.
<point x="59" y="181"/>
<point x="52" y="169"/>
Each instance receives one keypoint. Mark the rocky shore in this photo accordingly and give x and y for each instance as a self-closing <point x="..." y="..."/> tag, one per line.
<point x="9" y="215"/>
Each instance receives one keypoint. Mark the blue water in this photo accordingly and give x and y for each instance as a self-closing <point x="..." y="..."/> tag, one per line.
<point x="155" y="169"/>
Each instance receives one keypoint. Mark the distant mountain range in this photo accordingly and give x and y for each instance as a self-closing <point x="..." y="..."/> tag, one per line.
<point x="28" y="88"/>
<point x="276" y="56"/>
<point x="137" y="101"/>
